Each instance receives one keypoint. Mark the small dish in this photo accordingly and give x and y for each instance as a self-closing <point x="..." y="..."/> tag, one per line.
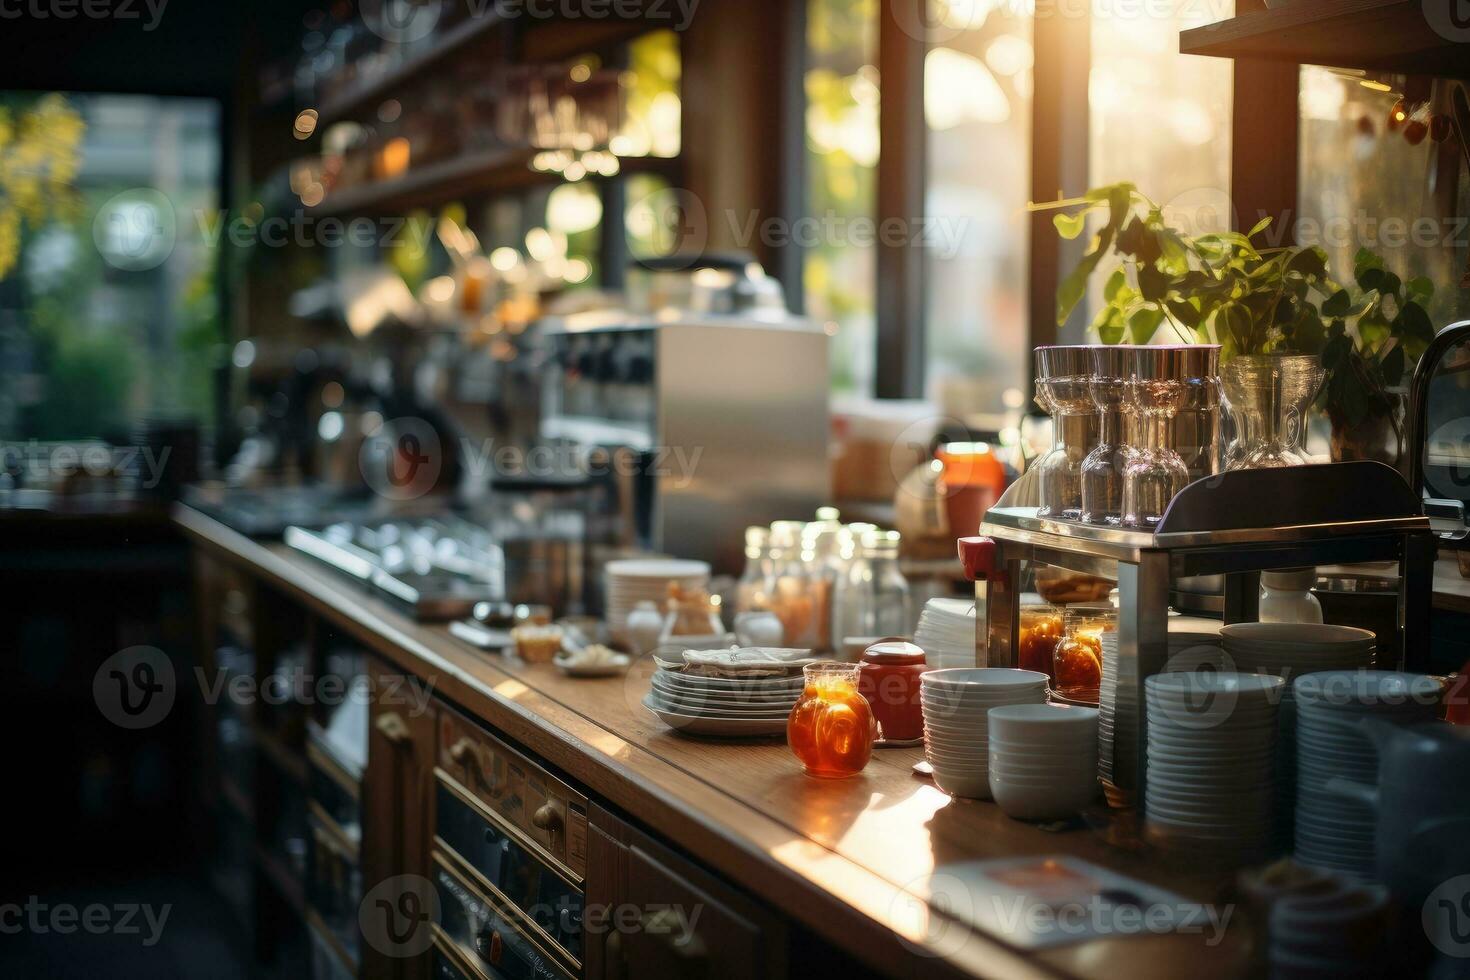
<point x="613" y="666"/>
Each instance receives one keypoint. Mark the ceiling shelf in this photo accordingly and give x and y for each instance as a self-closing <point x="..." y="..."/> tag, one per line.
<point x="1375" y="35"/>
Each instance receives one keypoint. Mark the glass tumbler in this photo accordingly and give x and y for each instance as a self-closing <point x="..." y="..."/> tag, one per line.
<point x="1063" y="387"/>
<point x="1102" y="470"/>
<point x="832" y="728"/>
<point x="1160" y="383"/>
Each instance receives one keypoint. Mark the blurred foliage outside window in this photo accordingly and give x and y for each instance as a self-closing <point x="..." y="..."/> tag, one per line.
<point x="108" y="310"/>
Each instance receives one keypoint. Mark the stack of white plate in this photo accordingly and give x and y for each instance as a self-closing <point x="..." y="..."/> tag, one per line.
<point x="1211" y="748"/>
<point x="723" y="706"/>
<point x="630" y="581"/>
<point x="946" y="632"/>
<point x="1118" y="698"/>
<point x="1336" y="930"/>
<point x="1289" y="650"/>
<point x="1043" y="759"/>
<point x="1334" y="832"/>
<point x="956" y="702"/>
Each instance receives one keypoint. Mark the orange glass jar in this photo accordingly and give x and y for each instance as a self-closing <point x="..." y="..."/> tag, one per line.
<point x="1040" y="632"/>
<point x="1077" y="663"/>
<point x="832" y="727"/>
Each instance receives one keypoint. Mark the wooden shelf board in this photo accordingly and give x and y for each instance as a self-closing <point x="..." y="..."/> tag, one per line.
<point x="1381" y="35"/>
<point x="360" y="97"/>
<point x="473" y="173"/>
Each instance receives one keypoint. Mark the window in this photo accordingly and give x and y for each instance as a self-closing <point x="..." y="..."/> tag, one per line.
<point x="977" y="104"/>
<point x="1363" y="183"/>
<point x="840" y="271"/>
<point x="108" y="311"/>
<point x="981" y="62"/>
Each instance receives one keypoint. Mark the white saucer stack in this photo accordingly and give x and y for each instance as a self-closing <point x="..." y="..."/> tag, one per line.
<point x="630" y="581"/>
<point x="956" y="702"/>
<point x="723" y="706"/>
<point x="1211" y="747"/>
<point x="1335" y="832"/>
<point x="1043" y="759"/>
<point x="1118" y="699"/>
<point x="946" y="632"/>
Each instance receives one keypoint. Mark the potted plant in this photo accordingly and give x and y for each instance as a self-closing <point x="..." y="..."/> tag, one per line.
<point x="1282" y="323"/>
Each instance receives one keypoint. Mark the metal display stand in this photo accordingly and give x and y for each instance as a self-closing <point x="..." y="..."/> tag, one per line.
<point x="1235" y="524"/>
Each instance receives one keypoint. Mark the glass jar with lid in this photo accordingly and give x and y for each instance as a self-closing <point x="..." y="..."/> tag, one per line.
<point x="872" y="597"/>
<point x="1077" y="661"/>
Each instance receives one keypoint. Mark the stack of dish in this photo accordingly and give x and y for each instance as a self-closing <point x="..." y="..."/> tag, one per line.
<point x="956" y="702"/>
<point x="1334" y="930"/>
<point x="1289" y="650"/>
<point x="946" y="632"/>
<point x="1211" y="749"/>
<point x="729" y="694"/>
<point x="1335" y="832"/>
<point x="634" y="580"/>
<point x="1297" y="648"/>
<point x="1043" y="759"/>
<point x="1118" y="698"/>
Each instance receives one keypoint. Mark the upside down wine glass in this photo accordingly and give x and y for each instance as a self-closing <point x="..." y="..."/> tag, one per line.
<point x="1160" y="383"/>
<point x="1063" y="388"/>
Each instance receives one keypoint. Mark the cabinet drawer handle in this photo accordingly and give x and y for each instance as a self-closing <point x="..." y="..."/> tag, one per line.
<point x="616" y="967"/>
<point x="690" y="952"/>
<point x="546" y="817"/>
<point x="394" y="729"/>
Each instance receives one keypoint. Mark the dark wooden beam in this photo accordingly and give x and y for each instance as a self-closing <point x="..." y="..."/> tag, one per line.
<point x="1263" y="141"/>
<point x="903" y="137"/>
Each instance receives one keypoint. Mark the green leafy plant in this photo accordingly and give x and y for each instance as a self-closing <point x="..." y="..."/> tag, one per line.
<point x="1221" y="288"/>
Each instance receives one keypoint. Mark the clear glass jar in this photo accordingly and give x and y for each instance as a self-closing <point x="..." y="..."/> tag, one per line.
<point x="750" y="591"/>
<point x="1063" y="376"/>
<point x="823" y="538"/>
<point x="1040" y="631"/>
<point x="791" y="585"/>
<point x="1077" y="661"/>
<point x="1162" y="381"/>
<point x="872" y="597"/>
<point x="1102" y="470"/>
<point x="832" y="728"/>
<point x="1268" y="396"/>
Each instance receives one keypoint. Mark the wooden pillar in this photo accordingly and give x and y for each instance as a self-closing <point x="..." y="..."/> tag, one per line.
<point x="1263" y="141"/>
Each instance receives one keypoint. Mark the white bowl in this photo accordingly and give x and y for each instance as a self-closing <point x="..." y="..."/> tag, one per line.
<point x="1061" y="799"/>
<point x="956" y="783"/>
<point x="981" y="677"/>
<point x="1023" y="722"/>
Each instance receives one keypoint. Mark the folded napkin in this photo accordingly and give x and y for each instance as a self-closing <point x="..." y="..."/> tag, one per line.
<point x="748" y="662"/>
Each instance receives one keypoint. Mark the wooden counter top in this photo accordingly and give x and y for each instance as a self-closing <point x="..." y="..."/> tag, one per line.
<point x="839" y="856"/>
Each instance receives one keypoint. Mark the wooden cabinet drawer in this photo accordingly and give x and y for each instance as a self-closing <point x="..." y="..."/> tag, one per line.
<point x="544" y="808"/>
<point x="690" y="924"/>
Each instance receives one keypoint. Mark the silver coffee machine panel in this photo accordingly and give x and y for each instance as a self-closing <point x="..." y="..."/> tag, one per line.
<point x="709" y="424"/>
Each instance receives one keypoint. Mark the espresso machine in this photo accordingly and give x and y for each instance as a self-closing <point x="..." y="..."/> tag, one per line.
<point x="701" y="419"/>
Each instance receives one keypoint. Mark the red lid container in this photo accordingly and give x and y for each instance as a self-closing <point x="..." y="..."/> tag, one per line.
<point x="889" y="679"/>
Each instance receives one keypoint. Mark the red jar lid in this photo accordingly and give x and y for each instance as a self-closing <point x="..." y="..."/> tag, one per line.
<point x="894" y="651"/>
